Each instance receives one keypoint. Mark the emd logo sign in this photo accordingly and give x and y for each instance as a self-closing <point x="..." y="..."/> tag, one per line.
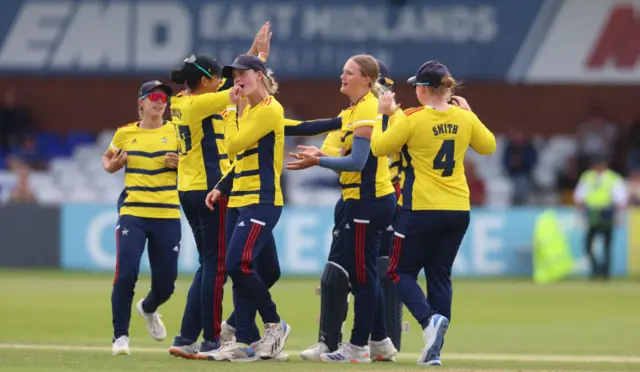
<point x="619" y="40"/>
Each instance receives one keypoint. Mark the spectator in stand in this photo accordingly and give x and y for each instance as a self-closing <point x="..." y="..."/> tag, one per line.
<point x="520" y="156"/>
<point x="14" y="122"/>
<point x="596" y="136"/>
<point x="28" y="155"/>
<point x="476" y="185"/>
<point x="21" y="193"/>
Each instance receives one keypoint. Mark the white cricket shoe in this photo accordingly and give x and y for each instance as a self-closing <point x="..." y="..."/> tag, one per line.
<point x="275" y="336"/>
<point x="185" y="351"/>
<point x="348" y="353"/>
<point x="120" y="346"/>
<point x="227" y="332"/>
<point x="383" y="351"/>
<point x="155" y="326"/>
<point x="234" y="352"/>
<point x="433" y="340"/>
<point x="313" y="352"/>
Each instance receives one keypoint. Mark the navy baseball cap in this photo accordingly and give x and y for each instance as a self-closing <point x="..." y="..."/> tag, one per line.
<point x="430" y="74"/>
<point x="207" y="65"/>
<point x="244" y="62"/>
<point x="153" y="84"/>
<point x="385" y="76"/>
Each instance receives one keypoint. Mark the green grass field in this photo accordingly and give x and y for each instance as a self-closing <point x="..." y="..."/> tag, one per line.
<point x="51" y="321"/>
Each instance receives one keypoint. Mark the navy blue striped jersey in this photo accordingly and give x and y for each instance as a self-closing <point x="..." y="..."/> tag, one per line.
<point x="200" y="129"/>
<point x="256" y="143"/>
<point x="150" y="188"/>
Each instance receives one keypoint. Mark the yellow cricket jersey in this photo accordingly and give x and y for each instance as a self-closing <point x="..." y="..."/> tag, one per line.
<point x="200" y="132"/>
<point x="433" y="145"/>
<point x="256" y="142"/>
<point x="333" y="141"/>
<point x="332" y="144"/>
<point x="374" y="180"/>
<point x="150" y="189"/>
<point x="395" y="161"/>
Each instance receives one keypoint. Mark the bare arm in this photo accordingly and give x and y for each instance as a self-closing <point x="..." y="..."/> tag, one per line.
<point x="113" y="162"/>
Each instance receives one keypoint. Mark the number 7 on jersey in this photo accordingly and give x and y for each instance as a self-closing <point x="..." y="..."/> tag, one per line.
<point x="444" y="158"/>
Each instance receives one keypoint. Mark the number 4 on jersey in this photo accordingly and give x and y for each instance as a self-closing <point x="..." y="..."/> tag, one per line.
<point x="444" y="158"/>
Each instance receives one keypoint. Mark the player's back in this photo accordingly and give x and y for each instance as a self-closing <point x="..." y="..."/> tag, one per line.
<point x="434" y="157"/>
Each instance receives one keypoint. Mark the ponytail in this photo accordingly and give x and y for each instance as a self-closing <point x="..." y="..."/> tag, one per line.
<point x="178" y="76"/>
<point x="270" y="82"/>
<point x="378" y="89"/>
<point x="447" y="87"/>
<point x="188" y="75"/>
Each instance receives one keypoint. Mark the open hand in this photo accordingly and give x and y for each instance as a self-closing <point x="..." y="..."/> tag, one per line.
<point x="305" y="160"/>
<point x="387" y="104"/>
<point x="310" y="150"/>
<point x="262" y="41"/>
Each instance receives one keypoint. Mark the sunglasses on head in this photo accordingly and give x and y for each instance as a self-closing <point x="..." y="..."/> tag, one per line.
<point x="192" y="60"/>
<point x="156" y="96"/>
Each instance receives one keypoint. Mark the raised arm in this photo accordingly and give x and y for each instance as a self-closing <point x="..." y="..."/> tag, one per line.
<point x="212" y="102"/>
<point x="389" y="139"/>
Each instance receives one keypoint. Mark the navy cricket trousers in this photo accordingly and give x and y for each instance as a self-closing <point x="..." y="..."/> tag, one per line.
<point x="426" y="240"/>
<point x="163" y="238"/>
<point x="387" y="235"/>
<point x="337" y="255"/>
<point x="203" y="311"/>
<point x="251" y="236"/>
<point x="337" y="250"/>
<point x="365" y="222"/>
<point x="268" y="268"/>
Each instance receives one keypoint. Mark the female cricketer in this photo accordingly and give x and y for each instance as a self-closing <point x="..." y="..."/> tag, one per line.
<point x="149" y="211"/>
<point x="434" y="214"/>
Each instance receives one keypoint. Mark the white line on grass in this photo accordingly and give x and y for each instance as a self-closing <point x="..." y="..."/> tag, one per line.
<point x="403" y="356"/>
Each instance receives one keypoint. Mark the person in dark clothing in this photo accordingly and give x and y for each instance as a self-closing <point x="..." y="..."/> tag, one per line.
<point x="520" y="157"/>
<point x="14" y="122"/>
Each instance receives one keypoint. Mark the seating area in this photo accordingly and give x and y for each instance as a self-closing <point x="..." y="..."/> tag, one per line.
<point x="75" y="173"/>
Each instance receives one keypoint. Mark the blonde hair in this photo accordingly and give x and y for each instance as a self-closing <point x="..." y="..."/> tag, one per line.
<point x="270" y="82"/>
<point x="369" y="68"/>
<point x="447" y="88"/>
